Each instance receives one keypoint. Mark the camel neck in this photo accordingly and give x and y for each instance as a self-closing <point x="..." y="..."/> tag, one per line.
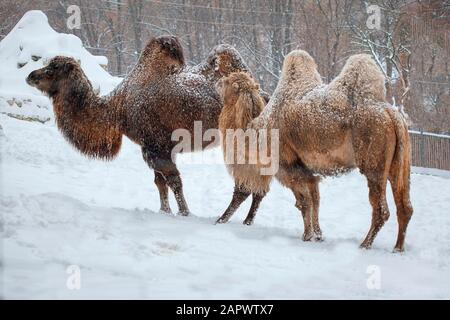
<point x="80" y="100"/>
<point x="87" y="121"/>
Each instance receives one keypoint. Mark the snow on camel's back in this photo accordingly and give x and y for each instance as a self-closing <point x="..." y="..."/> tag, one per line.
<point x="330" y="129"/>
<point x="159" y="96"/>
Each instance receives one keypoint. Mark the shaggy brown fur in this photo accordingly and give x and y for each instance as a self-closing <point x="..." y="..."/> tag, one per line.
<point x="299" y="70"/>
<point x="345" y="125"/>
<point x="223" y="60"/>
<point x="81" y="116"/>
<point x="335" y="128"/>
<point x="135" y="109"/>
<point x="157" y="97"/>
<point x="242" y="103"/>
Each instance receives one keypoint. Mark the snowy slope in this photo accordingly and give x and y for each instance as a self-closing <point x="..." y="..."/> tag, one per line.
<point x="29" y="46"/>
<point x="59" y="209"/>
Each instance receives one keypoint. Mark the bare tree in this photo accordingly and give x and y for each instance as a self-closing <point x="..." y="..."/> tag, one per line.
<point x="411" y="47"/>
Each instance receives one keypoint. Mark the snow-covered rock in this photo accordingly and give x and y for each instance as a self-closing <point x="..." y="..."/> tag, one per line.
<point x="29" y="46"/>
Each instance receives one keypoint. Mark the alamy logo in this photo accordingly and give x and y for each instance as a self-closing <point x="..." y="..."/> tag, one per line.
<point x="374" y="280"/>
<point x="74" y="20"/>
<point x="250" y="146"/>
<point x="374" y="19"/>
<point x="74" y="279"/>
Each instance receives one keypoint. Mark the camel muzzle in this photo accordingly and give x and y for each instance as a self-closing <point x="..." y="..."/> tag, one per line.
<point x="33" y="78"/>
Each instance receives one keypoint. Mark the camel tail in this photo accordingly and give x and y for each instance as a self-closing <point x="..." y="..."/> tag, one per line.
<point x="399" y="175"/>
<point x="401" y="164"/>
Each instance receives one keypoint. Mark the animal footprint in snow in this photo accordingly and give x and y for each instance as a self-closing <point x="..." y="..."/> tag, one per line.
<point x="165" y="248"/>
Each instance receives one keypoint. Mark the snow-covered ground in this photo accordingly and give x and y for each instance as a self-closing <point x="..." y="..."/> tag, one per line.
<point x="60" y="209"/>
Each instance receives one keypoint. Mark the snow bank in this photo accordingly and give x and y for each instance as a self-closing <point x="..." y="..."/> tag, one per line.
<point x="29" y="46"/>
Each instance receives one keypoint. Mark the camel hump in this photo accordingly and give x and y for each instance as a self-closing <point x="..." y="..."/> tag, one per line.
<point x="299" y="54"/>
<point x="164" y="50"/>
<point x="361" y="64"/>
<point x="298" y="60"/>
<point x="299" y="75"/>
<point x="362" y="77"/>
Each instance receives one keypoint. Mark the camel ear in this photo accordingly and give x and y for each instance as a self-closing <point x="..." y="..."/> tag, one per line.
<point x="68" y="66"/>
<point x="235" y="86"/>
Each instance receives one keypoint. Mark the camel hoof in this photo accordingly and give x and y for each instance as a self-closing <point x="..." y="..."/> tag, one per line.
<point x="184" y="213"/>
<point x="221" y="221"/>
<point x="318" y="238"/>
<point x="307" y="237"/>
<point x="248" y="222"/>
<point x="398" y="250"/>
<point x="167" y="211"/>
<point x="365" y="246"/>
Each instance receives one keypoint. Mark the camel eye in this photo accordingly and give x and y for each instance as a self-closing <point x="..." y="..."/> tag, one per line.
<point x="49" y="72"/>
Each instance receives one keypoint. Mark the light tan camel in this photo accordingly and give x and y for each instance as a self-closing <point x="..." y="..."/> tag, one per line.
<point x="327" y="130"/>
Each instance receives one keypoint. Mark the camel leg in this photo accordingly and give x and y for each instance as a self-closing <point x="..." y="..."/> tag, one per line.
<point x="380" y="210"/>
<point x="239" y="196"/>
<point x="315" y="195"/>
<point x="404" y="213"/>
<point x="304" y="204"/>
<point x="257" y="198"/>
<point x="162" y="163"/>
<point x="404" y="209"/>
<point x="163" y="189"/>
<point x="297" y="178"/>
<point x="173" y="179"/>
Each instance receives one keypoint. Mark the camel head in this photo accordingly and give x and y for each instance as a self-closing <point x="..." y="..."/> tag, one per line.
<point x="80" y="116"/>
<point x="51" y="78"/>
<point x="225" y="59"/>
<point x="241" y="93"/>
<point x="163" y="51"/>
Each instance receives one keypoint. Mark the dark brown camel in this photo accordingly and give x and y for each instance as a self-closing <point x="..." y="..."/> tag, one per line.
<point x="223" y="60"/>
<point x="157" y="97"/>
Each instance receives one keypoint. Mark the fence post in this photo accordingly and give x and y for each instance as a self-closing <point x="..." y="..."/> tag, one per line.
<point x="422" y="148"/>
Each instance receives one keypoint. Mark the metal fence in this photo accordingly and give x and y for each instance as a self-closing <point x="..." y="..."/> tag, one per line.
<point x="430" y="150"/>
